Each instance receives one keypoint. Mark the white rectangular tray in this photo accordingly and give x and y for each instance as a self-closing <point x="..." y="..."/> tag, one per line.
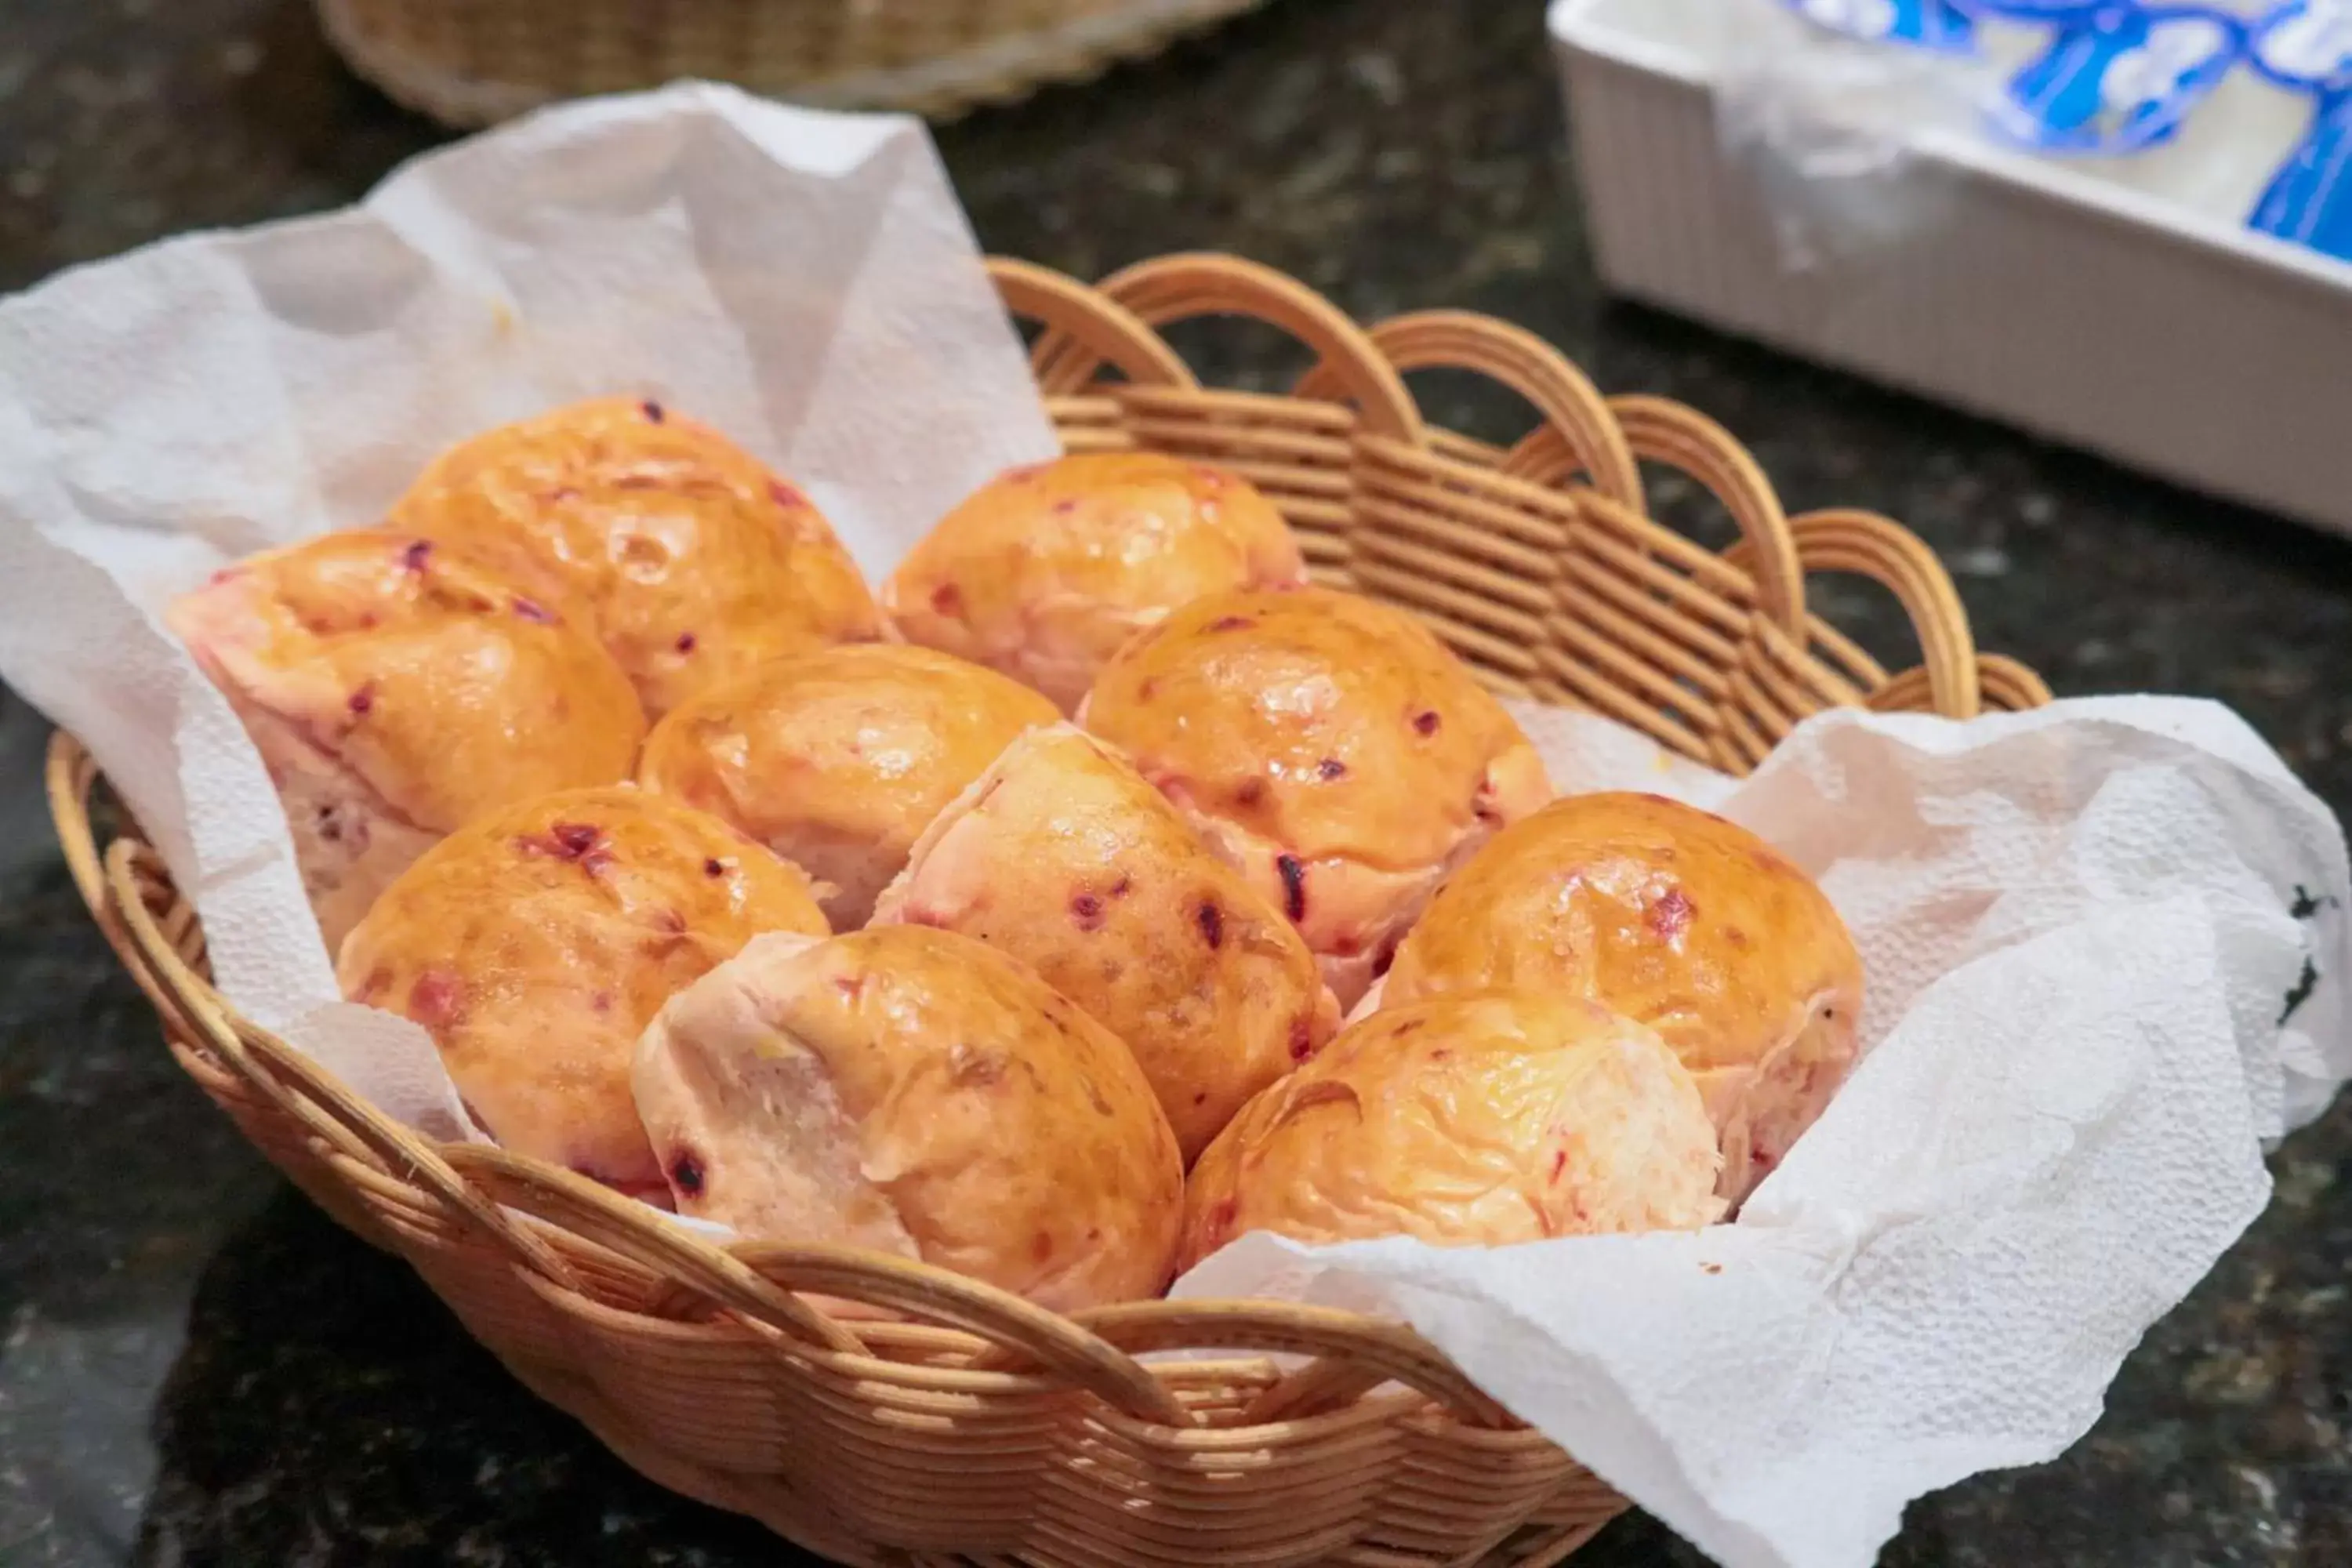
<point x="2080" y="309"/>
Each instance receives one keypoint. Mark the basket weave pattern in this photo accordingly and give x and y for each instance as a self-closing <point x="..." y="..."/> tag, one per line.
<point x="880" y="1411"/>
<point x="472" y="62"/>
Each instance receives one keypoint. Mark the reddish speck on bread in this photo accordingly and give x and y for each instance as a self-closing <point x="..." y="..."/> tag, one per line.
<point x="654" y="411"/>
<point x="685" y="642"/>
<point x="416" y="555"/>
<point x="1427" y="721"/>
<point x="1294" y="886"/>
<point x="1212" y="921"/>
<point x="361" y="701"/>
<point x="531" y="610"/>
<point x="1670" y="914"/>
<point x="436" y="999"/>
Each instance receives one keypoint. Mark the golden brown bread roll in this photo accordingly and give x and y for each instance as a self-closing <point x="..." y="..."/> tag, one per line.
<point x="1675" y="917"/>
<point x="1046" y="571"/>
<point x="535" y="944"/>
<point x="397" y="691"/>
<point x="836" y="761"/>
<point x="1470" y="1120"/>
<point x="1062" y="856"/>
<point x="1329" y="747"/>
<point x="692" y="560"/>
<point x="913" y="1092"/>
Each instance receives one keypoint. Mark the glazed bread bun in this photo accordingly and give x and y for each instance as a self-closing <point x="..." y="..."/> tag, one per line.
<point x="1330" y="748"/>
<point x="692" y="561"/>
<point x="397" y="691"/>
<point x="1062" y="856"/>
<point x="1471" y="1121"/>
<point x="1675" y="917"/>
<point x="535" y="944"/>
<point x="838" y="760"/>
<point x="913" y="1092"/>
<point x="1046" y="571"/>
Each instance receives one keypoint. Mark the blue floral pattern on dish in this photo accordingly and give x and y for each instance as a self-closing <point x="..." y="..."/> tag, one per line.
<point x="2305" y="48"/>
<point x="2116" y="77"/>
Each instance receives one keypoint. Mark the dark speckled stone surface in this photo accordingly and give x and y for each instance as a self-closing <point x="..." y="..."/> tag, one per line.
<point x="196" y="1368"/>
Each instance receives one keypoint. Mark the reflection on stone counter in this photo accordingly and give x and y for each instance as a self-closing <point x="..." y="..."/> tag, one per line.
<point x="196" y="1368"/>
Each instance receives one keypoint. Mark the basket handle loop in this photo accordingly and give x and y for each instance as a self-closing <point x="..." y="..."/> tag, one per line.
<point x="1586" y="438"/>
<point x="306" y="1092"/>
<point x="1664" y="431"/>
<point x="573" y="1202"/>
<point x="1869" y="545"/>
<point x="1018" y="1331"/>
<point x="1085" y="330"/>
<point x="1178" y="288"/>
<point x="1366" y="1351"/>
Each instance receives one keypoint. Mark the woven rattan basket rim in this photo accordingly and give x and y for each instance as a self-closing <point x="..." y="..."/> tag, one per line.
<point x="470" y="63"/>
<point x="1382" y="500"/>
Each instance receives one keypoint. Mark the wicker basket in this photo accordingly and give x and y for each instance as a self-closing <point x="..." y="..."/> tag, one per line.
<point x="971" y="1426"/>
<point x="471" y="62"/>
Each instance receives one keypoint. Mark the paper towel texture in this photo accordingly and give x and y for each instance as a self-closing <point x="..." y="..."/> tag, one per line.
<point x="805" y="282"/>
<point x="2081" y="926"/>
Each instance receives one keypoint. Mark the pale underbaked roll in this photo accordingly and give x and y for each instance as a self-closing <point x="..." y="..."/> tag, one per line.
<point x="913" y="1092"/>
<point x="1329" y="747"/>
<point x="1472" y="1120"/>
<point x="397" y="691"/>
<point x="1678" y="918"/>
<point x="1062" y="856"/>
<point x="1046" y="571"/>
<point x="692" y="559"/>
<point x="536" y="944"/>
<point x="836" y="761"/>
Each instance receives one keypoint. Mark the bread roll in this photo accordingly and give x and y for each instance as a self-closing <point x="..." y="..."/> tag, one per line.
<point x="1675" y="917"/>
<point x="397" y="691"/>
<point x="1471" y="1121"/>
<point x="1046" y="571"/>
<point x="536" y="944"/>
<point x="693" y="561"/>
<point x="836" y="761"/>
<point x="913" y="1092"/>
<point x="1330" y="748"/>
<point x="1065" y="858"/>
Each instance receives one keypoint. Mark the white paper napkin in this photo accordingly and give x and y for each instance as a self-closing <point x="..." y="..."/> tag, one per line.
<point x="804" y="281"/>
<point x="2080" y="928"/>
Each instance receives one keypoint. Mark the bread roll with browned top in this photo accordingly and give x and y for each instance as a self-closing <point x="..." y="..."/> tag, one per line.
<point x="1062" y="856"/>
<point x="693" y="560"/>
<point x="1046" y="571"/>
<point x="913" y="1092"/>
<point x="535" y="945"/>
<point x="1675" y="917"/>
<point x="397" y="691"/>
<point x="1472" y="1120"/>
<point x="836" y="761"/>
<point x="1330" y="748"/>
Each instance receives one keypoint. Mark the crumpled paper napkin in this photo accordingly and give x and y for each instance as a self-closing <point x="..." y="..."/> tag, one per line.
<point x="804" y="281"/>
<point x="2081" y="926"/>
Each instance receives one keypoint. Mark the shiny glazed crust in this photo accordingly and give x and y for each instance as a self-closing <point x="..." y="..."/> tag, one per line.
<point x="914" y="1090"/>
<point x="693" y="561"/>
<point x="535" y="944"/>
<point x="1044" y="572"/>
<point x="1329" y="747"/>
<point x="1473" y="1120"/>
<point x="397" y="691"/>
<point x="1062" y="856"/>
<point x="838" y="760"/>
<point x="1675" y="917"/>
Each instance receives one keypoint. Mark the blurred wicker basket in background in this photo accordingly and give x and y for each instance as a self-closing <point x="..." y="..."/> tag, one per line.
<point x="473" y="62"/>
<point x="969" y="1425"/>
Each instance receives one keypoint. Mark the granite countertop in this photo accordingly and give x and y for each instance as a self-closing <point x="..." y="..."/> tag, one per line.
<point x="197" y="1368"/>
